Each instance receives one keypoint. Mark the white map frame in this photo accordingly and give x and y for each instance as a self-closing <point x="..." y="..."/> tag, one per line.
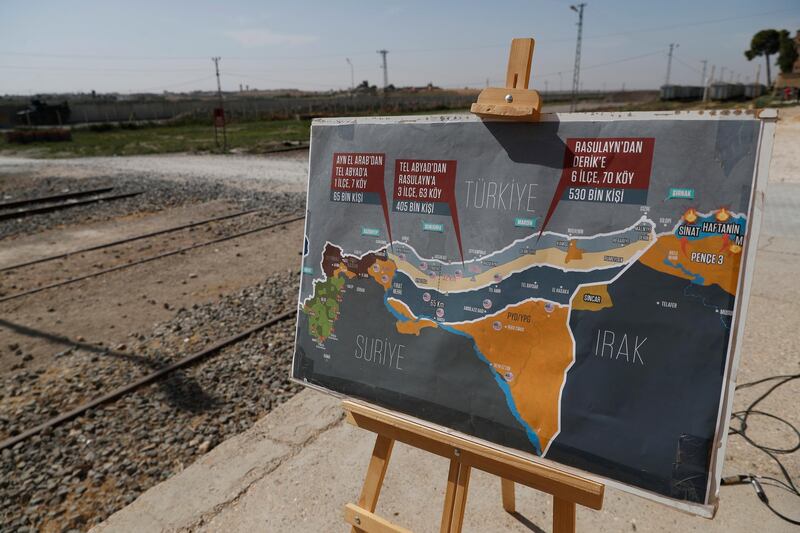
<point x="768" y="118"/>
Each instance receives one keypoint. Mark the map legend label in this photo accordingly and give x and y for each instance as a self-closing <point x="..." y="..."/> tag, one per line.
<point x="432" y="226"/>
<point x="525" y="222"/>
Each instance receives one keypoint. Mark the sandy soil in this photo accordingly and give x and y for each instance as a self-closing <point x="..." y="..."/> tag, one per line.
<point x="281" y="172"/>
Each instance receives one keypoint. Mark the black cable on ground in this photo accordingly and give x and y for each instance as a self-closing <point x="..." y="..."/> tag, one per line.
<point x="739" y="427"/>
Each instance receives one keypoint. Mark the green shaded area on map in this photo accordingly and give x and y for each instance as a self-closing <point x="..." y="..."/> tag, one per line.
<point x="323" y="308"/>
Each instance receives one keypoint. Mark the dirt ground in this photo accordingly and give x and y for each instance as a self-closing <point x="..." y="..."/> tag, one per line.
<point x="109" y="309"/>
<point x="785" y="167"/>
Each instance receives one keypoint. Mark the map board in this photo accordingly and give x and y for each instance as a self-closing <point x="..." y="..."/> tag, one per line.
<point x="571" y="289"/>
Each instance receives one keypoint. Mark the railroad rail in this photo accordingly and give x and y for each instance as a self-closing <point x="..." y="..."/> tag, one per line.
<point x="131" y="239"/>
<point x="53" y="197"/>
<point x="149" y="259"/>
<point x="153" y="376"/>
<point x="65" y="204"/>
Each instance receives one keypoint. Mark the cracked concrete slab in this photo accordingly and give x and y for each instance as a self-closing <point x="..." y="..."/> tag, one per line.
<point x="189" y="499"/>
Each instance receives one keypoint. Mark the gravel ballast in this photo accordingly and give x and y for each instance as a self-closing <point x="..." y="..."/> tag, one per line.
<point x="156" y="195"/>
<point x="76" y="474"/>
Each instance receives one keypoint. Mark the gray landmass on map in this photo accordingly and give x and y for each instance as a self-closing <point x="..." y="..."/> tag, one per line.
<point x="440" y="377"/>
<point x="715" y="158"/>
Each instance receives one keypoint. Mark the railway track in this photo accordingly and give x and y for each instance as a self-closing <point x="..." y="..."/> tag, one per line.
<point x="53" y="197"/>
<point x="133" y="397"/>
<point x="57" y="203"/>
<point x="105" y="425"/>
<point x="130" y="239"/>
<point x="156" y="375"/>
<point x="156" y="257"/>
<point x="149" y="378"/>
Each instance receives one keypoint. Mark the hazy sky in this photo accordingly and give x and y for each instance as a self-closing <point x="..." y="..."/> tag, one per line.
<point x="50" y="46"/>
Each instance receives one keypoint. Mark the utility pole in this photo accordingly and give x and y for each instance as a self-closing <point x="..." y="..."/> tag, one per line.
<point x="576" y="73"/>
<point x="221" y="107"/>
<point x="722" y="74"/>
<point x="352" y="75"/>
<point x="708" y="83"/>
<point x="703" y="76"/>
<point x="560" y="82"/>
<point x="672" y="46"/>
<point x="385" y="69"/>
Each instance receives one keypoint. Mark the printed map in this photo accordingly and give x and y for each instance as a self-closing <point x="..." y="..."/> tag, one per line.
<point x="566" y="289"/>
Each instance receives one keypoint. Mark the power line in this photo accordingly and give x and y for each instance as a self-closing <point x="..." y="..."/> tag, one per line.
<point x="690" y="67"/>
<point x="101" y="69"/>
<point x="401" y="50"/>
<point x="178" y="84"/>
<point x="248" y="76"/>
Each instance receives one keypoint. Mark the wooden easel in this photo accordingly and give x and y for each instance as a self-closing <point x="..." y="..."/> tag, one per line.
<point x="518" y="103"/>
<point x="567" y="489"/>
<point x="514" y="101"/>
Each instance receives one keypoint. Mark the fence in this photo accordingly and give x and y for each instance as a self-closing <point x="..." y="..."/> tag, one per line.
<point x="267" y="108"/>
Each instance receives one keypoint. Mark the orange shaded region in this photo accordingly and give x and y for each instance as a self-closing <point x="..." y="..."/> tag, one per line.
<point x="529" y="345"/>
<point x="382" y="271"/>
<point x="710" y="259"/>
<point x="342" y="269"/>
<point x="592" y="298"/>
<point x="573" y="252"/>
<point x="413" y="325"/>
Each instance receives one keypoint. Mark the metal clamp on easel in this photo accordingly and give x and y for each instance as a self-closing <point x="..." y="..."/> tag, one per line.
<point x="514" y="102"/>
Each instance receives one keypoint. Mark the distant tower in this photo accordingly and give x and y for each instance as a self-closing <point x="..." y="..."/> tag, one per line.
<point x="672" y="46"/>
<point x="385" y="68"/>
<point x="576" y="73"/>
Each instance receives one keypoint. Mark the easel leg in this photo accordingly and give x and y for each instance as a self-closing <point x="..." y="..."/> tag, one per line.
<point x="460" y="504"/>
<point x="455" y="498"/>
<point x="449" y="496"/>
<point x="507" y="487"/>
<point x="563" y="516"/>
<point x="375" y="473"/>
